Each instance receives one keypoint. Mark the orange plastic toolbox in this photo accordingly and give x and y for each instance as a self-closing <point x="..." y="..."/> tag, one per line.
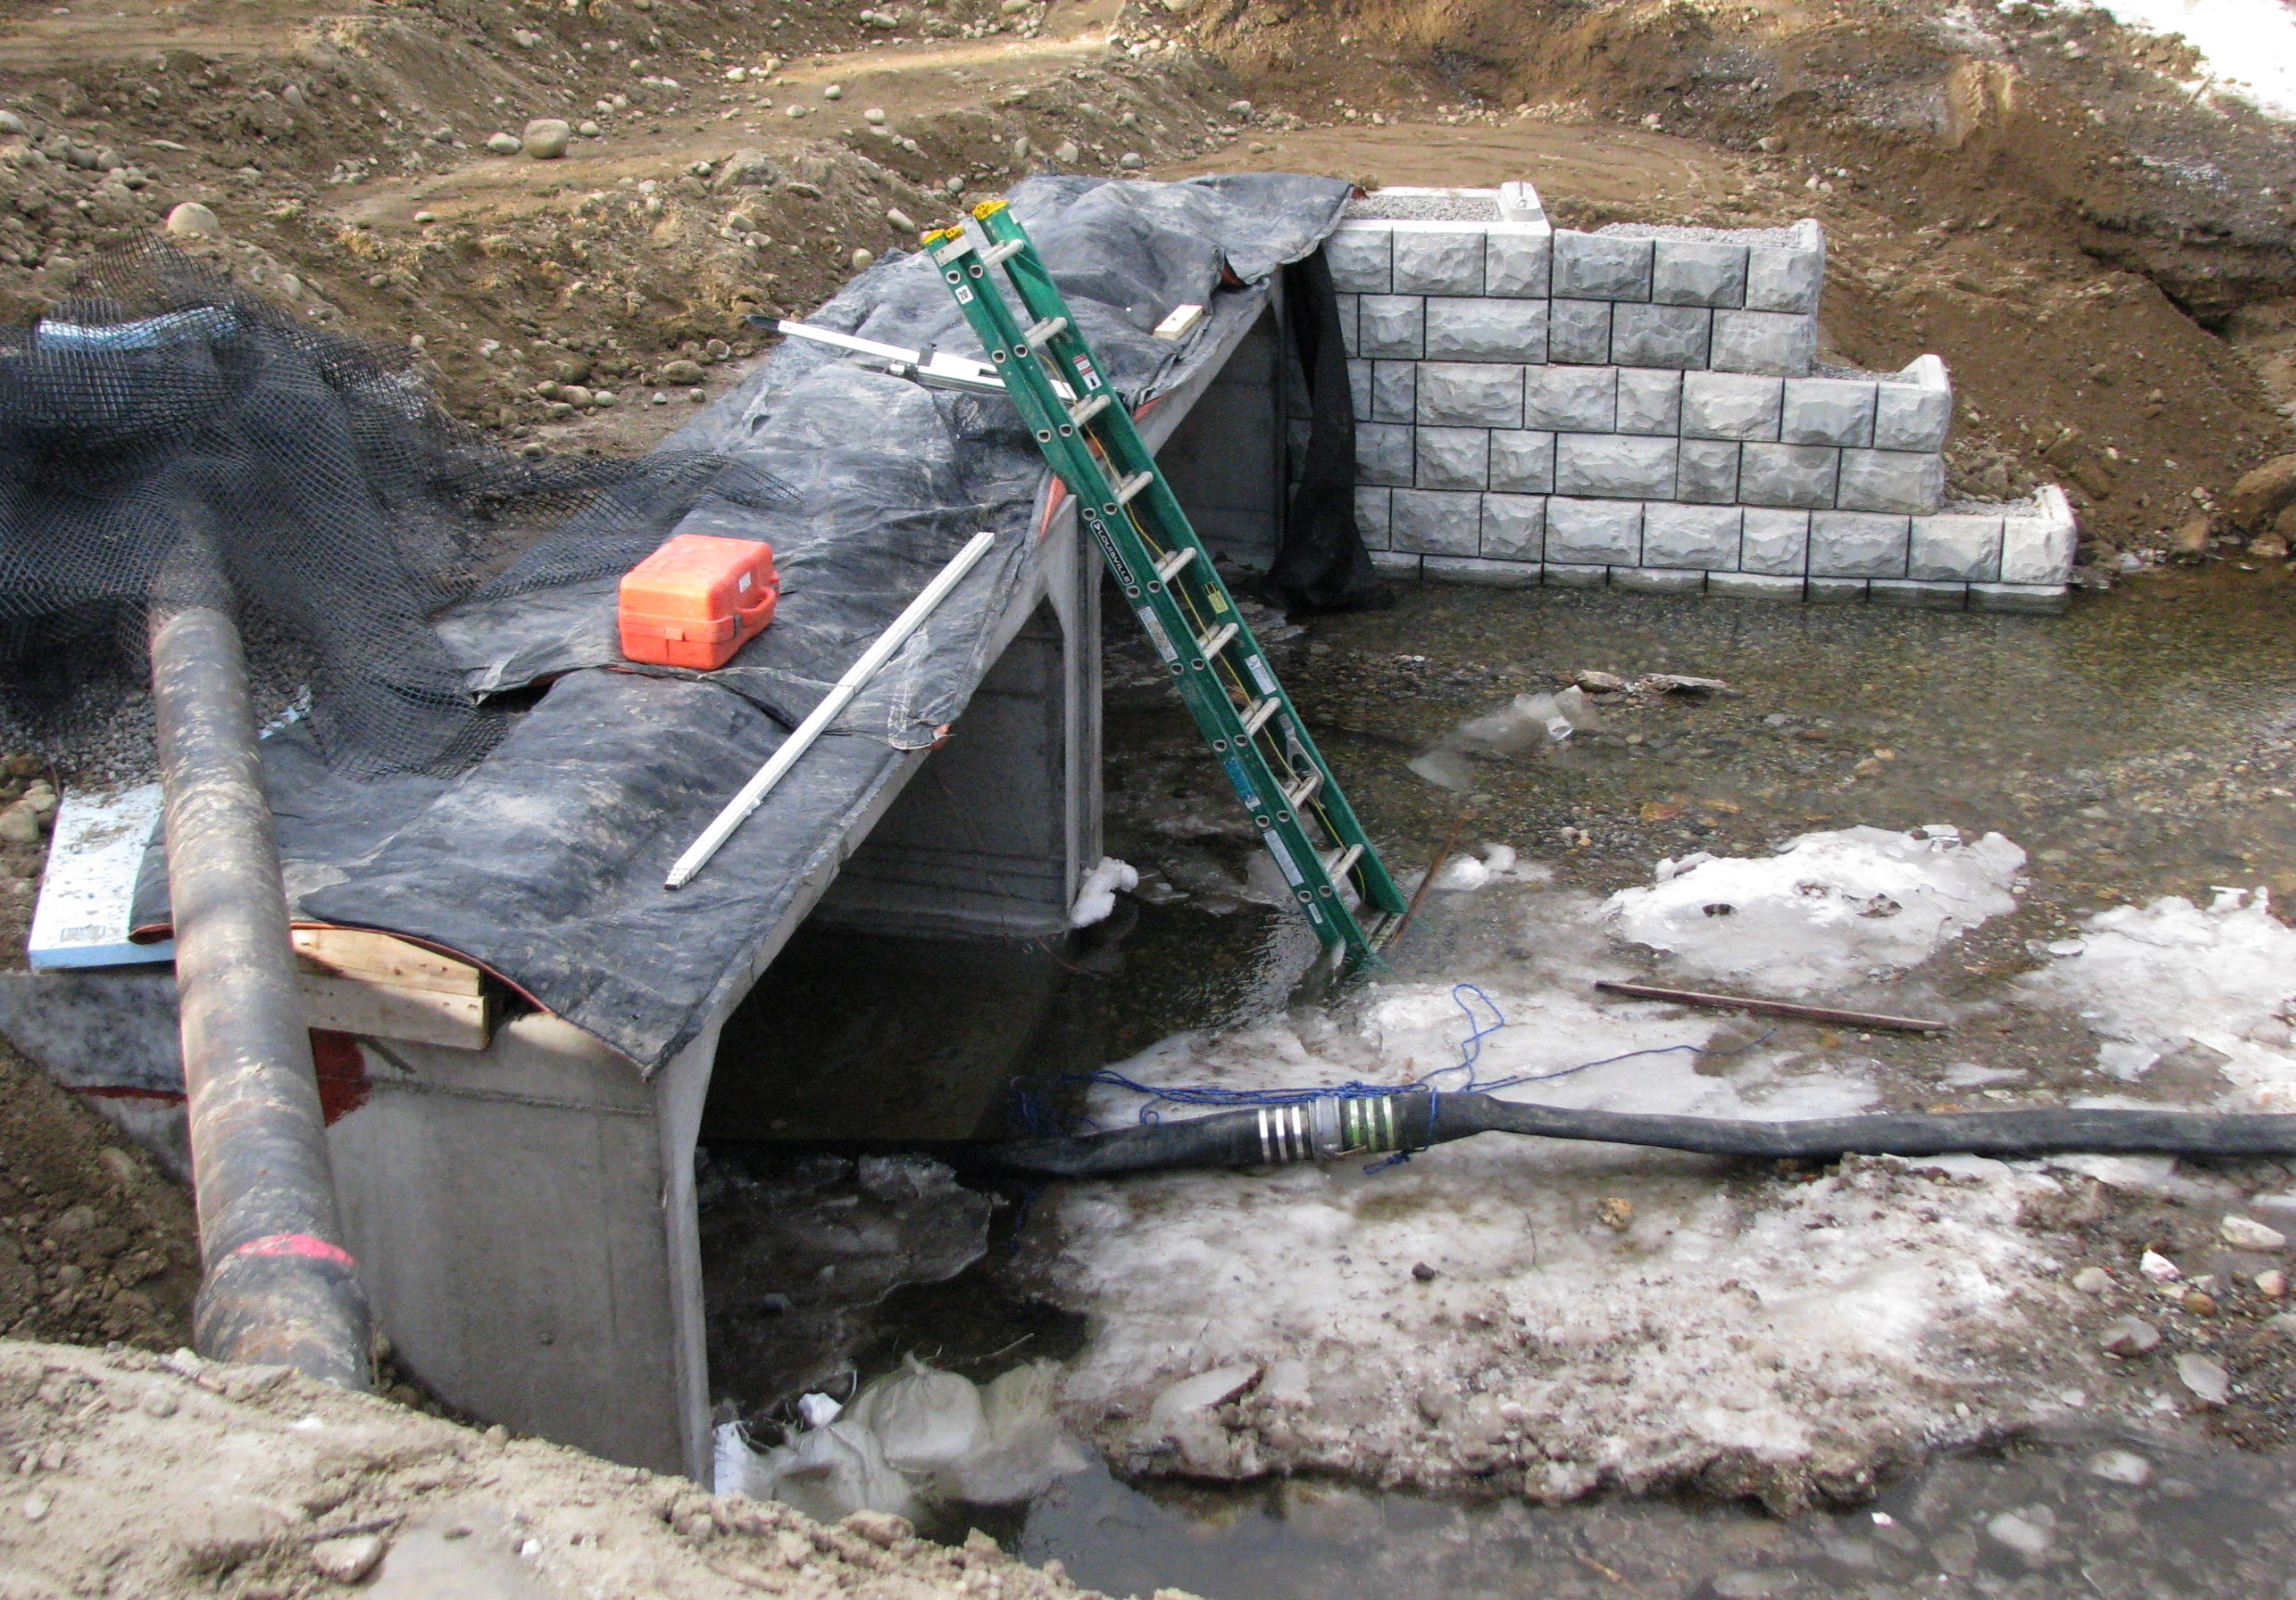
<point x="697" y="600"/>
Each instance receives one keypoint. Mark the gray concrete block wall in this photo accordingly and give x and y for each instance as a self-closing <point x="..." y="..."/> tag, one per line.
<point x="1645" y="406"/>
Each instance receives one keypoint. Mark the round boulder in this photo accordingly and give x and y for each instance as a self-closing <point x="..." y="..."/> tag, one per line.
<point x="193" y="220"/>
<point x="546" y="138"/>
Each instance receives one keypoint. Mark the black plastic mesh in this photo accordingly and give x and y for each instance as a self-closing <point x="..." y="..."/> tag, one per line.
<point x="170" y="438"/>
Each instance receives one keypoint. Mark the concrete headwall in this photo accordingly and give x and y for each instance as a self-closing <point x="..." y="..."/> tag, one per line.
<point x="1643" y="406"/>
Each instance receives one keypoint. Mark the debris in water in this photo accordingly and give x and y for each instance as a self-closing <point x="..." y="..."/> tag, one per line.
<point x="1095" y="897"/>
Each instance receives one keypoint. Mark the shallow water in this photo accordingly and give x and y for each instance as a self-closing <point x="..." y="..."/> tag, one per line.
<point x="2145" y="744"/>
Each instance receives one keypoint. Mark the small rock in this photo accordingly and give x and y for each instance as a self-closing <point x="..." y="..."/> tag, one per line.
<point x="1012" y="8"/>
<point x="1130" y="161"/>
<point x="2120" y="1466"/>
<point x="425" y="219"/>
<point x="2190" y="538"/>
<point x="2205" y="1376"/>
<point x="681" y="371"/>
<point x="2246" y="1233"/>
<point x="193" y="220"/>
<point x="1617" y="1214"/>
<point x="874" y="116"/>
<point x="794" y="111"/>
<point x="19" y="825"/>
<point x="546" y="138"/>
<point x="591" y="130"/>
<point x="1239" y="109"/>
<point x="36" y="1506"/>
<point x="1201" y="1392"/>
<point x="2022" y="1531"/>
<point x="2158" y="1267"/>
<point x="524" y="39"/>
<point x="900" y="219"/>
<point x="863" y="258"/>
<point x="2259" y="494"/>
<point x="1422" y="1272"/>
<point x="1067" y="153"/>
<point x="833" y="92"/>
<point x="2284" y="1323"/>
<point x="2200" y="1303"/>
<point x="504" y="143"/>
<point x="2272" y="1283"/>
<point x="2093" y="1280"/>
<point x="573" y="394"/>
<point x="10" y="122"/>
<point x="347" y="1560"/>
<point x="1599" y="682"/>
<point x="698" y="397"/>
<point x="2127" y="1336"/>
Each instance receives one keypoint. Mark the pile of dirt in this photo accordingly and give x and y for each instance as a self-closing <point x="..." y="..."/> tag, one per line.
<point x="138" y="1475"/>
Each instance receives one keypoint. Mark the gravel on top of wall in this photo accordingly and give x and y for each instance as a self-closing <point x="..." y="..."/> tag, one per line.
<point x="1382" y="207"/>
<point x="1779" y="238"/>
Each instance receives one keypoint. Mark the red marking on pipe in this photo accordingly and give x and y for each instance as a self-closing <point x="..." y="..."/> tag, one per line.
<point x="342" y="1072"/>
<point x="297" y="1244"/>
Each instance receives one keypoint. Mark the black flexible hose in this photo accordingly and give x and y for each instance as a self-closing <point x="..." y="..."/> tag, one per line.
<point x="1330" y="1127"/>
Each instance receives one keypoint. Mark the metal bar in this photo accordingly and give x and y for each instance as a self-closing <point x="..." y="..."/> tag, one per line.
<point x="279" y="1287"/>
<point x="956" y="371"/>
<point x="1775" y="1007"/>
<point x="801" y="739"/>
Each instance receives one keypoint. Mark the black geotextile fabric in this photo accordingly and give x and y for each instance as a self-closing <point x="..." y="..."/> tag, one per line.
<point x="544" y="862"/>
<point x="167" y="438"/>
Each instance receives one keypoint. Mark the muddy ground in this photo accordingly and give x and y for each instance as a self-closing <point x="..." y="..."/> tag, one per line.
<point x="2101" y="252"/>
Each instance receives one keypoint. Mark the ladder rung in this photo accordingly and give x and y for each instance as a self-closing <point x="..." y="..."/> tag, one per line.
<point x="997" y="254"/>
<point x="1337" y="863"/>
<point x="1044" y="333"/>
<point x="1173" y="562"/>
<point x="1091" y="408"/>
<point x="1128" y="491"/>
<point x="1213" y="643"/>
<point x="1257" y="718"/>
<point x="1300" y="794"/>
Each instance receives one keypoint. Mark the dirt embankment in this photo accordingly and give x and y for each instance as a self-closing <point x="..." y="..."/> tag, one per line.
<point x="137" y="1476"/>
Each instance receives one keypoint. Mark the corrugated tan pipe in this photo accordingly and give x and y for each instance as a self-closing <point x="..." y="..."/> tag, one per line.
<point x="279" y="1287"/>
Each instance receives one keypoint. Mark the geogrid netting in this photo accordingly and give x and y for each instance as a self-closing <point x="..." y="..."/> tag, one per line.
<point x="167" y="438"/>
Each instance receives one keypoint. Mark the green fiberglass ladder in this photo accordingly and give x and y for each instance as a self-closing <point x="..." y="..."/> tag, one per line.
<point x="1086" y="435"/>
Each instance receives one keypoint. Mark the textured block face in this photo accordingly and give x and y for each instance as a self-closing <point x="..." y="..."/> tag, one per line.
<point x="1578" y="330"/>
<point x="1657" y="581"/>
<point x="1964" y="549"/>
<point x="1602" y="267"/>
<point x="1371" y="517"/>
<point x="1776" y="542"/>
<point x="1786" y="474"/>
<point x="1515" y="263"/>
<point x="2036" y="550"/>
<point x="1453" y="458"/>
<point x="1704" y="536"/>
<point x="1438" y="260"/>
<point x="1617" y="466"/>
<point x="1594" y="533"/>
<point x="1392" y="327"/>
<point x="1765" y="342"/>
<point x="1857" y="545"/>
<point x="1471" y="394"/>
<point x="1460" y="330"/>
<point x="1753" y="586"/>
<point x="1559" y="576"/>
<point x="1698" y="273"/>
<point x="1784" y="280"/>
<point x="1828" y="411"/>
<point x="1428" y="522"/>
<point x="1523" y="463"/>
<point x="1731" y="406"/>
<point x="1571" y="399"/>
<point x="1650" y="401"/>
<point x="1348" y="320"/>
<point x="1394" y="392"/>
<point x="1514" y="527"/>
<point x="1362" y="259"/>
<point x="1890" y="480"/>
<point x="1359" y="389"/>
<point x="1706" y="472"/>
<point x="1911" y="417"/>
<point x="1383" y="454"/>
<point x="1660" y="335"/>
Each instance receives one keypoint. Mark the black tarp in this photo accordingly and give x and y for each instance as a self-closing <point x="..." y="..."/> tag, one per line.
<point x="544" y="862"/>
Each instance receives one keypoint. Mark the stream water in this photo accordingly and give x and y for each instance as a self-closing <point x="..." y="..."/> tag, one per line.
<point x="2143" y="745"/>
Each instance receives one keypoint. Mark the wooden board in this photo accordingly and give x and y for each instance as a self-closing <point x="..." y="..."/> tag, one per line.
<point x="379" y="1010"/>
<point x="380" y="958"/>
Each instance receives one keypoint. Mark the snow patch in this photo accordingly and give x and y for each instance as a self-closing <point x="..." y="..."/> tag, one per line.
<point x="2248" y="46"/>
<point x="1830" y="908"/>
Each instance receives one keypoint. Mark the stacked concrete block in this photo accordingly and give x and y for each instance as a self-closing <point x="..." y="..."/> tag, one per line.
<point x="1644" y="407"/>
